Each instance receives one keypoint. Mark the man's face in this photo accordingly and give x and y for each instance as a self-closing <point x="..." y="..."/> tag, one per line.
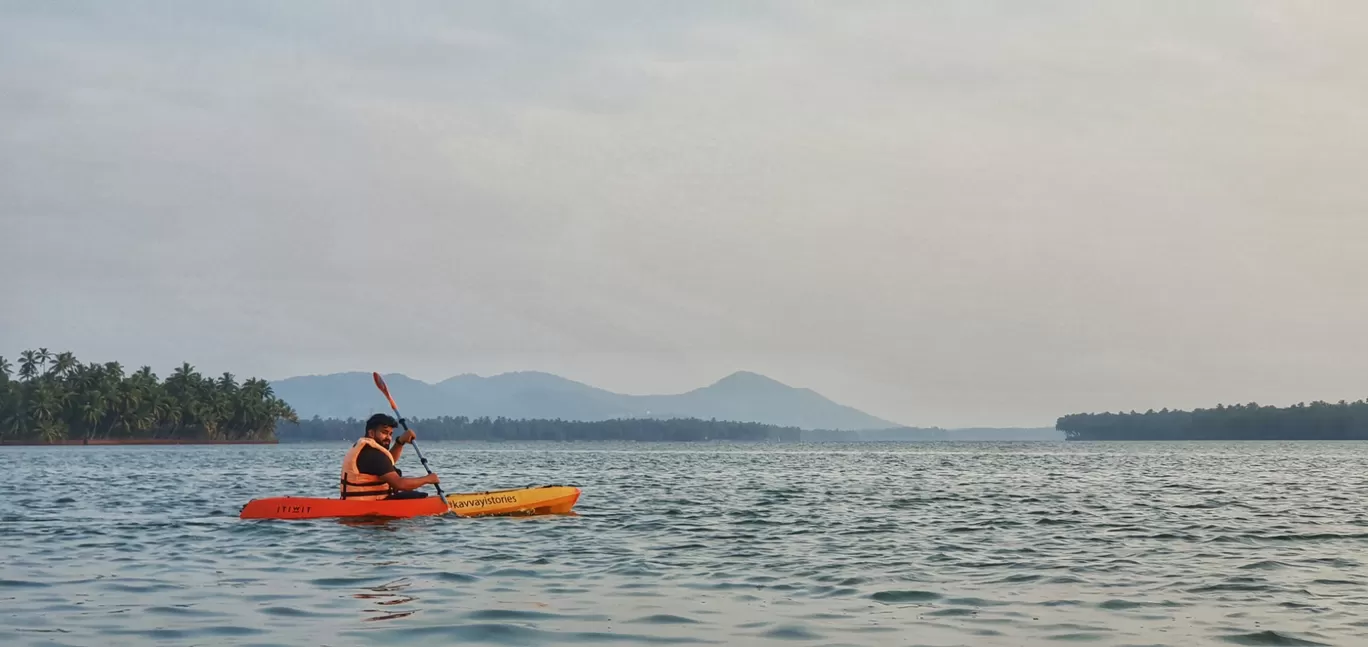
<point x="383" y="434"/>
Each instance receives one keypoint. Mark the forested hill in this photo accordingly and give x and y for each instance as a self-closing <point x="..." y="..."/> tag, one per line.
<point x="1315" y="421"/>
<point x="637" y="429"/>
<point x="502" y="429"/>
<point x="742" y="397"/>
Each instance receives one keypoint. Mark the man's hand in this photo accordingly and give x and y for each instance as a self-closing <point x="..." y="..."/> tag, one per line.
<point x="406" y="437"/>
<point x="432" y="479"/>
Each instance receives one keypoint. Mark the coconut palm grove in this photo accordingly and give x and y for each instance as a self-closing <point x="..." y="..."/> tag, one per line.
<point x="54" y="397"/>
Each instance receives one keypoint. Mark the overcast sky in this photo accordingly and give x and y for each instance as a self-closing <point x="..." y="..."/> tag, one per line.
<point x="944" y="213"/>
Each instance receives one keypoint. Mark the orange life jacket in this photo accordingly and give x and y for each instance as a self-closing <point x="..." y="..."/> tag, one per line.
<point x="358" y="486"/>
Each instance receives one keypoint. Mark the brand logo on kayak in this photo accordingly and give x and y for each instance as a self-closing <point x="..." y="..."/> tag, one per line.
<point x="293" y="509"/>
<point x="489" y="500"/>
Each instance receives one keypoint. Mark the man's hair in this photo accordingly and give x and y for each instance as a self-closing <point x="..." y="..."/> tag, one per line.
<point x="381" y="420"/>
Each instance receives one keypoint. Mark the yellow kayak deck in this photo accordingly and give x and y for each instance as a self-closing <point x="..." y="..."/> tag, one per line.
<point x="546" y="499"/>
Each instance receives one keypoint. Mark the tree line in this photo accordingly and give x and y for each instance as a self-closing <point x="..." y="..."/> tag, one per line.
<point x="498" y="429"/>
<point x="53" y="397"/>
<point x="1315" y="421"/>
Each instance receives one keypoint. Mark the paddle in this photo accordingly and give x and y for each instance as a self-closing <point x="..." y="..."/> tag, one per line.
<point x="380" y="383"/>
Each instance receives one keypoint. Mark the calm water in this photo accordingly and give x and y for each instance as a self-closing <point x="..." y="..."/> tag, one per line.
<point x="889" y="544"/>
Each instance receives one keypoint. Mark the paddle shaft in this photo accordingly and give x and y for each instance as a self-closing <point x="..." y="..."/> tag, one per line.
<point x="380" y="383"/>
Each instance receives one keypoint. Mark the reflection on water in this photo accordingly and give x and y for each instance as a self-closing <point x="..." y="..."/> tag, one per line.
<point x="984" y="544"/>
<point x="384" y="595"/>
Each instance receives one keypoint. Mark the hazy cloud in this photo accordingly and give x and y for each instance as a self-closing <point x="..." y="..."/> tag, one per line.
<point x="953" y="213"/>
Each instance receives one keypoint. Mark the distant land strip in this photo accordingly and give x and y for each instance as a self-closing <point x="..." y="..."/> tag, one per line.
<point x="637" y="429"/>
<point x="1315" y="421"/>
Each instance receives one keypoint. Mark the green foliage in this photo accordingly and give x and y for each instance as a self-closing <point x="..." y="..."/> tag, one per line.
<point x="59" y="398"/>
<point x="463" y="428"/>
<point x="1315" y="421"/>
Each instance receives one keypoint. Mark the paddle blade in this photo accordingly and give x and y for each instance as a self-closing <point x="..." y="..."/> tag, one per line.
<point x="380" y="384"/>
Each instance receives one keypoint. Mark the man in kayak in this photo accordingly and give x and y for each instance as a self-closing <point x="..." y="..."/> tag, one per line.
<point x="368" y="471"/>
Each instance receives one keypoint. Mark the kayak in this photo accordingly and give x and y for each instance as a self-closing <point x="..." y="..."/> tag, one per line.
<point x="546" y="499"/>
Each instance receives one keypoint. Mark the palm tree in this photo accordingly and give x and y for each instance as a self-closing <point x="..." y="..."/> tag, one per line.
<point x="17" y="422"/>
<point x="47" y="403"/>
<point x="185" y="374"/>
<point x="9" y="400"/>
<point x="51" y="431"/>
<point x="169" y="411"/>
<point x="93" y="411"/>
<point x="28" y="365"/>
<point x="5" y="369"/>
<point x="64" y="363"/>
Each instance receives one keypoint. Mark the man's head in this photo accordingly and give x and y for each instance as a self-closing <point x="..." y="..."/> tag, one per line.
<point x="380" y="428"/>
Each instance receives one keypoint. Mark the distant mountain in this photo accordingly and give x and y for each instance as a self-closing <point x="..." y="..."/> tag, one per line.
<point x="741" y="397"/>
<point x="918" y="434"/>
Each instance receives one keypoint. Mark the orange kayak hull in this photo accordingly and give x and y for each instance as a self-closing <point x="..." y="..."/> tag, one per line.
<point x="293" y="507"/>
<point x="549" y="499"/>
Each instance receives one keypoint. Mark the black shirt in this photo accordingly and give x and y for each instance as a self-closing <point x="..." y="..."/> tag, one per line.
<point x="374" y="462"/>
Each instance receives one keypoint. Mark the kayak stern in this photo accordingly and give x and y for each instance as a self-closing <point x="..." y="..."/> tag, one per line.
<point x="547" y="499"/>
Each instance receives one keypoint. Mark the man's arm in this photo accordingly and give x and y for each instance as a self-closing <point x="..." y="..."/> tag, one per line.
<point x="374" y="463"/>
<point x="401" y="483"/>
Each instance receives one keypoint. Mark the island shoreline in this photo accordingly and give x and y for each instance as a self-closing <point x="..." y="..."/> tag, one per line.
<point x="132" y="441"/>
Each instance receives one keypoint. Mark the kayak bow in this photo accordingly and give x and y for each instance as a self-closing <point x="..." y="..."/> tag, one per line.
<point x="546" y="499"/>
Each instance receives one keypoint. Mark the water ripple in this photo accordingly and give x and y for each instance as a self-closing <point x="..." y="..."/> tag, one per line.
<point x="993" y="544"/>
